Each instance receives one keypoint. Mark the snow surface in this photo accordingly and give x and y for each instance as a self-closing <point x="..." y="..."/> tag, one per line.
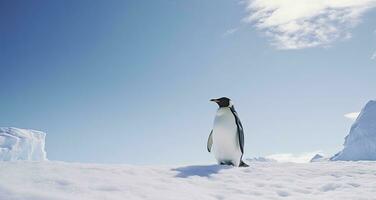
<point x="48" y="180"/>
<point x="260" y="159"/>
<point x="22" y="144"/>
<point x="360" y="144"/>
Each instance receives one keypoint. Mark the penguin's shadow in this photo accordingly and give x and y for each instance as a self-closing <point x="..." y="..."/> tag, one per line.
<point x="199" y="170"/>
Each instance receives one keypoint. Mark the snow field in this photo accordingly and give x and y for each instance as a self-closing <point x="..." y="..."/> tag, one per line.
<point x="262" y="180"/>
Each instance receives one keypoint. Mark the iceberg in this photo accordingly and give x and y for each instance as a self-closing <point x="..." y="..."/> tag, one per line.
<point x="22" y="144"/>
<point x="318" y="158"/>
<point x="360" y="144"/>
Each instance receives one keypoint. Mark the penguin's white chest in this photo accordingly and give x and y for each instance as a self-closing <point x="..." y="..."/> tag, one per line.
<point x="225" y="138"/>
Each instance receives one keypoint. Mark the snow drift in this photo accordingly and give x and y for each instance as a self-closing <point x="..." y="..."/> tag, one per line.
<point x="360" y="144"/>
<point x="22" y="144"/>
<point x="263" y="180"/>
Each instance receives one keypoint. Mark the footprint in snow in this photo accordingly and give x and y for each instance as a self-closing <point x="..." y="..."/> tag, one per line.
<point x="283" y="193"/>
<point x="330" y="187"/>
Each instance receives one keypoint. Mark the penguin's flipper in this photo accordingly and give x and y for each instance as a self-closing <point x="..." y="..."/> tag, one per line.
<point x="210" y="142"/>
<point x="243" y="164"/>
<point x="240" y="129"/>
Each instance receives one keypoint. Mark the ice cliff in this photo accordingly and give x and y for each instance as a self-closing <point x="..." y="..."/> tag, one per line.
<point x="360" y="144"/>
<point x="22" y="144"/>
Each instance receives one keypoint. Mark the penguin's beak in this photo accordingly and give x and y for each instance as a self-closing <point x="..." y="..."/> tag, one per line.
<point x="214" y="100"/>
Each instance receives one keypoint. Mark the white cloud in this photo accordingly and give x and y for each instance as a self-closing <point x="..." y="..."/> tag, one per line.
<point x="352" y="115"/>
<point x="230" y="32"/>
<point x="373" y="57"/>
<point x="297" y="24"/>
<point x="296" y="158"/>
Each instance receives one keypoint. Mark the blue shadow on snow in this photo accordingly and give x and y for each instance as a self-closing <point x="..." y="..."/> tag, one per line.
<point x="199" y="170"/>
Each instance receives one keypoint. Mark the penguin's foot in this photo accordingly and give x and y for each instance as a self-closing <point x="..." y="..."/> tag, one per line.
<point x="226" y="163"/>
<point x="243" y="164"/>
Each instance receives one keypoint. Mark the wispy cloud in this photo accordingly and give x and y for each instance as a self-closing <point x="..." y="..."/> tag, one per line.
<point x="297" y="24"/>
<point x="230" y="32"/>
<point x="373" y="57"/>
<point x="352" y="115"/>
<point x="296" y="158"/>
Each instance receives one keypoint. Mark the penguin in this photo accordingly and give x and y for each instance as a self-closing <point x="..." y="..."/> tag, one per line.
<point x="226" y="140"/>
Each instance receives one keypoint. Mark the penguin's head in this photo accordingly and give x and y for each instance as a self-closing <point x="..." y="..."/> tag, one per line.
<point x="223" y="102"/>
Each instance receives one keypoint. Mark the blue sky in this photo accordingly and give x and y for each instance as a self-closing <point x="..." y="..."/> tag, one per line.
<point x="130" y="81"/>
